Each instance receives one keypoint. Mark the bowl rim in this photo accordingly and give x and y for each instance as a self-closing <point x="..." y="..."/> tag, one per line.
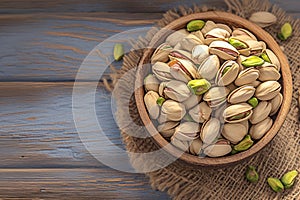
<point x="231" y="19"/>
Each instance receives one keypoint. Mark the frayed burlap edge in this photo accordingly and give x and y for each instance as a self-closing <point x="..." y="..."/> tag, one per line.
<point x="182" y="182"/>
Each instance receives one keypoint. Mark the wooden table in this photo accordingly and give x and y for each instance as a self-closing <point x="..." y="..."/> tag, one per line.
<point x="42" y="46"/>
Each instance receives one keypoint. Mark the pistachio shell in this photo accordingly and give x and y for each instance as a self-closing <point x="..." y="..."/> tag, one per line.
<point x="258" y="130"/>
<point x="199" y="35"/>
<point x="200" y="113"/>
<point x="220" y="148"/>
<point x="196" y="147"/>
<point x="267" y="90"/>
<point x="182" y="145"/>
<point x="151" y="105"/>
<point x="260" y="112"/>
<point x="268" y="72"/>
<point x="172" y="110"/>
<point x="176" y="36"/>
<point x="223" y="50"/>
<point x="210" y="131"/>
<point x="216" y="34"/>
<point x="209" y="67"/>
<point x="176" y="54"/>
<point x="237" y="113"/>
<point x="225" y="27"/>
<point x="183" y="70"/>
<point x="209" y="25"/>
<point x="187" y="131"/>
<point x="162" y="71"/>
<point x="273" y="58"/>
<point x="234" y="132"/>
<point x="256" y="47"/>
<point x="246" y="124"/>
<point x="192" y="101"/>
<point x="161" y="89"/>
<point x="247" y="76"/>
<point x="227" y="73"/>
<point x="243" y="32"/>
<point x="276" y="103"/>
<point x="241" y="94"/>
<point x="189" y="42"/>
<point x="200" y="53"/>
<point x="167" y="129"/>
<point x="161" y="53"/>
<point x="263" y="19"/>
<point x="216" y="96"/>
<point x="177" y="91"/>
<point x="151" y="83"/>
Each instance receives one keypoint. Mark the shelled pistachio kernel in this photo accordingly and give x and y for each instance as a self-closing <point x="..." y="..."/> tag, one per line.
<point x="288" y="178"/>
<point x="285" y="31"/>
<point x="118" y="51"/>
<point x="253" y="102"/>
<point x="195" y="25"/>
<point x="245" y="144"/>
<point x="275" y="184"/>
<point x="251" y="174"/>
<point x="252" y="61"/>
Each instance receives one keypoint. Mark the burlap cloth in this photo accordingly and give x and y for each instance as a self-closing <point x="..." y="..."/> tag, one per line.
<point x="181" y="181"/>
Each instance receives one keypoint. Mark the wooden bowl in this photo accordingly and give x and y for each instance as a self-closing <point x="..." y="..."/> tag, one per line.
<point x="232" y="20"/>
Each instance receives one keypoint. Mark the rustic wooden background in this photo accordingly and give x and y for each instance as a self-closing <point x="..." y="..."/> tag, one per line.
<point x="42" y="46"/>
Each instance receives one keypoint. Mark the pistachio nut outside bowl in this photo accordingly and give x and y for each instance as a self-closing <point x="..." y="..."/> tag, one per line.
<point x="232" y="20"/>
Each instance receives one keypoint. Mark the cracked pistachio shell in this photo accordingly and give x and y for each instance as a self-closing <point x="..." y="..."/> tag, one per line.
<point x="177" y="90"/>
<point x="161" y="53"/>
<point x="199" y="35"/>
<point x="288" y="178"/>
<point x="180" y="54"/>
<point x="209" y="67"/>
<point x="209" y="25"/>
<point x="189" y="42"/>
<point x="225" y="27"/>
<point x="187" y="131"/>
<point x="258" y="130"/>
<point x="227" y="73"/>
<point x="263" y="19"/>
<point x="276" y="103"/>
<point x="167" y="129"/>
<point x="196" y="147"/>
<point x="220" y="148"/>
<point x="151" y="105"/>
<point x="243" y="32"/>
<point x="183" y="70"/>
<point x="200" y="113"/>
<point x="172" y="111"/>
<point x="216" y="34"/>
<point x="151" y="83"/>
<point x="256" y="47"/>
<point x="192" y="101"/>
<point x="199" y="86"/>
<point x="268" y="72"/>
<point x="223" y="50"/>
<point x="247" y="76"/>
<point x="176" y="36"/>
<point x="252" y="61"/>
<point x="260" y="112"/>
<point x="237" y="113"/>
<point x="267" y="90"/>
<point x="270" y="57"/>
<point x="234" y="132"/>
<point x="182" y="145"/>
<point x="216" y="96"/>
<point x="162" y="71"/>
<point x="210" y="131"/>
<point x="241" y="94"/>
<point x="161" y="88"/>
<point x="195" y="25"/>
<point x="200" y="53"/>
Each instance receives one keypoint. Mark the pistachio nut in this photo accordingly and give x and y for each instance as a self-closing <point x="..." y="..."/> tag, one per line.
<point x="216" y="96"/>
<point x="258" y="130"/>
<point x="151" y="83"/>
<point x="172" y="110"/>
<point x="275" y="184"/>
<point x="220" y="148"/>
<point x="227" y="73"/>
<point x="161" y="54"/>
<point x="195" y="25"/>
<point x="241" y="94"/>
<point x="288" y="178"/>
<point x="161" y="89"/>
<point x="243" y="32"/>
<point x="192" y="101"/>
<point x="263" y="18"/>
<point x="225" y="27"/>
<point x="210" y="131"/>
<point x="268" y="72"/>
<point x="167" y="129"/>
<point x="162" y="71"/>
<point x="182" y="145"/>
<point x="160" y="101"/>
<point x="199" y="35"/>
<point x="118" y="51"/>
<point x="189" y="42"/>
<point x="240" y="43"/>
<point x="187" y="131"/>
<point x="199" y="86"/>
<point x="246" y="76"/>
<point x="270" y="57"/>
<point x="252" y="61"/>
<point x="200" y="113"/>
<point x="223" y="50"/>
<point x="251" y="174"/>
<point x="216" y="34"/>
<point x="244" y="145"/>
<point x="196" y="147"/>
<point x="246" y="124"/>
<point x="151" y="105"/>
<point x="234" y="132"/>
<point x="276" y="103"/>
<point x="176" y="36"/>
<point x="200" y="53"/>
<point x="209" y="67"/>
<point x="285" y="31"/>
<point x="183" y="70"/>
<point x="256" y="47"/>
<point x="254" y="83"/>
<point x="267" y="90"/>
<point x="253" y="102"/>
<point x="237" y="113"/>
<point x="209" y="25"/>
<point x="177" y="90"/>
<point x="176" y="54"/>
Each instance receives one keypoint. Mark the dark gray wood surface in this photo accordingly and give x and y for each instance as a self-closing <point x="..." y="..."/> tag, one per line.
<point x="42" y="46"/>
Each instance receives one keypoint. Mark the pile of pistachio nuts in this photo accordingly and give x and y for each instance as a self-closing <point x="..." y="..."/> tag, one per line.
<point x="214" y="89"/>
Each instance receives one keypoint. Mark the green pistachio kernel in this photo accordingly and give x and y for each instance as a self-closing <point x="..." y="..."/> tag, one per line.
<point x="118" y="51"/>
<point x="253" y="61"/>
<point x="237" y="43"/>
<point x="195" y="25"/>
<point x="245" y="144"/>
<point x="225" y="70"/>
<point x="251" y="174"/>
<point x="253" y="102"/>
<point x="199" y="86"/>
<point x="288" y="178"/>
<point x="285" y="31"/>
<point x="275" y="184"/>
<point x="160" y="101"/>
<point x="265" y="57"/>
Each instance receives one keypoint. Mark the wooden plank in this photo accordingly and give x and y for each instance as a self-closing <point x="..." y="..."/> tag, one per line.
<point x="74" y="184"/>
